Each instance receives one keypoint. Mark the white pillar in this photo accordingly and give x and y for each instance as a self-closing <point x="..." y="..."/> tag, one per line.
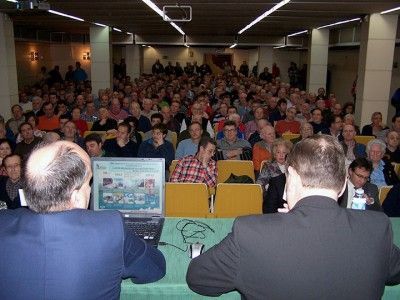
<point x="100" y="58"/>
<point x="8" y="67"/>
<point x="133" y="58"/>
<point x="317" y="59"/>
<point x="378" y="37"/>
<point x="264" y="58"/>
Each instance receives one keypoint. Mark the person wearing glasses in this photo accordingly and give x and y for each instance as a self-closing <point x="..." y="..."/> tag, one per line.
<point x="359" y="172"/>
<point x="10" y="184"/>
<point x="231" y="147"/>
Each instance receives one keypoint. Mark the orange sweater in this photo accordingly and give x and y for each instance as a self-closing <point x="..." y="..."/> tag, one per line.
<point x="260" y="154"/>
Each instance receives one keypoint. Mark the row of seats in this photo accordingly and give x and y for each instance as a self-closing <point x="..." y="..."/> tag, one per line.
<point x="231" y="200"/>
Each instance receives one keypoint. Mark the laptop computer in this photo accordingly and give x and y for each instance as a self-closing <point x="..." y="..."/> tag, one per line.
<point x="135" y="187"/>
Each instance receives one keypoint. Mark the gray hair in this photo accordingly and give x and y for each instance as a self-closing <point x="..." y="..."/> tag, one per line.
<point x="376" y="142"/>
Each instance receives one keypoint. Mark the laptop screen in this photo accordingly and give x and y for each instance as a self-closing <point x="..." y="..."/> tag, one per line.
<point x="130" y="185"/>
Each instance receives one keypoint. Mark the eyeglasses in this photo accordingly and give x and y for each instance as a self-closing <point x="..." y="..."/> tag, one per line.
<point x="14" y="166"/>
<point x="229" y="130"/>
<point x="366" y="178"/>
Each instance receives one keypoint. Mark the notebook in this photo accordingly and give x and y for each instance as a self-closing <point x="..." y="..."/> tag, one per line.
<point x="135" y="187"/>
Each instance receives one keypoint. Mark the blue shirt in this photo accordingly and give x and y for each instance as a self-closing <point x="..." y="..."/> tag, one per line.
<point x="377" y="176"/>
<point x="186" y="147"/>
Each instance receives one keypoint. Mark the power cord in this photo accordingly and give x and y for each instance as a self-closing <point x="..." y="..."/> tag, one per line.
<point x="189" y="229"/>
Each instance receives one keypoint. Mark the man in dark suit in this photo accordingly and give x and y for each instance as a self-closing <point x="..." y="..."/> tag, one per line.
<point x="315" y="251"/>
<point x="57" y="249"/>
<point x="359" y="171"/>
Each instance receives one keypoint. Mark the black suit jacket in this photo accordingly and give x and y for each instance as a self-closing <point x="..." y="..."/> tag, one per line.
<point x="369" y="189"/>
<point x="273" y="197"/>
<point x="318" y="250"/>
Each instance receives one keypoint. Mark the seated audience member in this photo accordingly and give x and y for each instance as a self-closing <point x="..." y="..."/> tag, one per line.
<point x="231" y="110"/>
<point x="6" y="133"/>
<point x="116" y="112"/>
<point x="262" y="150"/>
<point x="255" y="136"/>
<point x="157" y="118"/>
<point x="359" y="172"/>
<point x="121" y="145"/>
<point x="49" y="121"/>
<point x="147" y="110"/>
<point x="349" y="120"/>
<point x="200" y="167"/>
<point x="190" y="146"/>
<point x="289" y="124"/>
<point x="280" y="149"/>
<point x="104" y="123"/>
<point x="351" y="148"/>
<point x="134" y="135"/>
<point x="231" y="147"/>
<point x="392" y="140"/>
<point x="171" y="123"/>
<point x="235" y="118"/>
<point x="197" y="112"/>
<point x="306" y="130"/>
<point x="5" y="150"/>
<point x="144" y="122"/>
<point x="317" y="122"/>
<point x="279" y="113"/>
<point x="90" y="114"/>
<point x="158" y="146"/>
<point x="221" y="114"/>
<point x="312" y="195"/>
<point x="335" y="124"/>
<point x="17" y="119"/>
<point x="11" y="183"/>
<point x="375" y="127"/>
<point x="176" y="110"/>
<point x="58" y="237"/>
<point x="70" y="133"/>
<point x="51" y="137"/>
<point x="391" y="204"/>
<point x="250" y="115"/>
<point x="33" y="120"/>
<point x="251" y="126"/>
<point x="29" y="141"/>
<point x="94" y="145"/>
<point x="80" y="124"/>
<point x="383" y="172"/>
<point x="305" y="113"/>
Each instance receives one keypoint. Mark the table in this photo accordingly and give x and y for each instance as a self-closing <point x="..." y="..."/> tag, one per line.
<point x="173" y="285"/>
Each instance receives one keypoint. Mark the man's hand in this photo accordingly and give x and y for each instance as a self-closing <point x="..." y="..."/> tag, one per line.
<point x="285" y="208"/>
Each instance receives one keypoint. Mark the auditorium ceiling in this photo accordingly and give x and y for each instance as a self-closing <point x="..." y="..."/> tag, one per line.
<point x="211" y="20"/>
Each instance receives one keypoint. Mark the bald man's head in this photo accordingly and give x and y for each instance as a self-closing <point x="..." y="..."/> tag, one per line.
<point x="58" y="176"/>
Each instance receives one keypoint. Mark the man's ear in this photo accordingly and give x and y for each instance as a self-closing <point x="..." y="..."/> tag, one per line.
<point x="77" y="200"/>
<point x="343" y="188"/>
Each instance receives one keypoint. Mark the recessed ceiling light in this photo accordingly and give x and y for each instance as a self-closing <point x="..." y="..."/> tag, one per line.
<point x="99" y="24"/>
<point x="267" y="13"/>
<point x="117" y="29"/>
<point x="339" y="23"/>
<point x="64" y="15"/>
<point x="390" y="10"/>
<point x="161" y="14"/>
<point x="298" y="33"/>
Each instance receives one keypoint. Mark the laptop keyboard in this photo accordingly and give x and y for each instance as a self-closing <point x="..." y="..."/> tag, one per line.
<point x="146" y="228"/>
